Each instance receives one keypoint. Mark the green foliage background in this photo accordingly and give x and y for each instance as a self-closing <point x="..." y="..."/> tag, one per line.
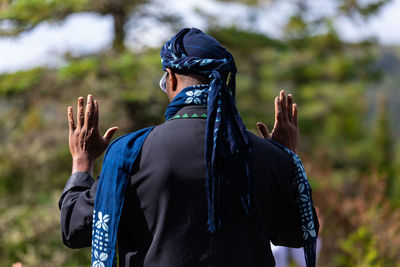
<point x="348" y="108"/>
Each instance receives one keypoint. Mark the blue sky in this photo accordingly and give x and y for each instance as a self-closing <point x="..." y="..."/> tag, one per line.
<point x="87" y="33"/>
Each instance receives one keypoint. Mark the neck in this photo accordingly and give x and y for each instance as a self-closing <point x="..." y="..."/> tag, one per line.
<point x="180" y="86"/>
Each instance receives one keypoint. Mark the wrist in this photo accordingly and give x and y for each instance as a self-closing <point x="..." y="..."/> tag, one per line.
<point x="82" y="164"/>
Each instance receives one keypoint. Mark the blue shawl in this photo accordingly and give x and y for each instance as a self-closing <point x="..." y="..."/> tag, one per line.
<point x="114" y="179"/>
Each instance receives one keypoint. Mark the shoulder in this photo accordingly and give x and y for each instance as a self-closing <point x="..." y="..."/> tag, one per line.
<point x="269" y="160"/>
<point x="264" y="148"/>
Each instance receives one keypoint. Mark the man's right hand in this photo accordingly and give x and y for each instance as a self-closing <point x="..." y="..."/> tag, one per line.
<point x="85" y="141"/>
<point x="286" y="130"/>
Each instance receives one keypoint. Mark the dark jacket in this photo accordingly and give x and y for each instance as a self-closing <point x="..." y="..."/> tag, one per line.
<point x="163" y="222"/>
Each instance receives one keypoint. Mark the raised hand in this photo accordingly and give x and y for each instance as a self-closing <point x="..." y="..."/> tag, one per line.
<point x="85" y="141"/>
<point x="286" y="131"/>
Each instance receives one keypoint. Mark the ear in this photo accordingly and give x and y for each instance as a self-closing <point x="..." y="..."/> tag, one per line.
<point x="172" y="82"/>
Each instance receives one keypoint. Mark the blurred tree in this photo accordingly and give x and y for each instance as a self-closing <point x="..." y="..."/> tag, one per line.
<point x="23" y="15"/>
<point x="383" y="150"/>
<point x="351" y="8"/>
<point x="18" y="16"/>
<point x="382" y="139"/>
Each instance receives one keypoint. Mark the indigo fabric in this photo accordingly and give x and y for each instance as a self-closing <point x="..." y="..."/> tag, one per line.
<point x="114" y="179"/>
<point x="227" y="143"/>
<point x="305" y="208"/>
<point x="192" y="95"/>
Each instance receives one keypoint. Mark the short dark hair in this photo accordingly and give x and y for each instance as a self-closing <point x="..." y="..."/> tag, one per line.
<point x="194" y="78"/>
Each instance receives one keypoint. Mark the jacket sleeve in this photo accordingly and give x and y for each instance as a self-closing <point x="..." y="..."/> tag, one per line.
<point x="76" y="206"/>
<point x="287" y="231"/>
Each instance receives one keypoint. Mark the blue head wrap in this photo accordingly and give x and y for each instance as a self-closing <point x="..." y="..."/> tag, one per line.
<point x="227" y="143"/>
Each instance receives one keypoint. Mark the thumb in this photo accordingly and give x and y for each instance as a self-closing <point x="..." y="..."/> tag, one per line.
<point x="263" y="130"/>
<point x="109" y="134"/>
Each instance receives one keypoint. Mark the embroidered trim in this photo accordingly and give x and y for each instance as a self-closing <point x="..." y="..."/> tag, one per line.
<point x="187" y="116"/>
<point x="305" y="206"/>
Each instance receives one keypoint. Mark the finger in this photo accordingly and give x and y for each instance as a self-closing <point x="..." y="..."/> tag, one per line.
<point x="289" y="107"/>
<point x="89" y="112"/>
<point x="295" y="114"/>
<point x="278" y="110"/>
<point x="79" y="116"/>
<point x="263" y="130"/>
<point x="96" y="115"/>
<point x="283" y="102"/>
<point x="109" y="134"/>
<point x="71" y="121"/>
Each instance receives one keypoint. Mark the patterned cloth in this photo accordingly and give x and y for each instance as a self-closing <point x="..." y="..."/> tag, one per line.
<point x="110" y="195"/>
<point x="227" y="143"/>
<point x="305" y="207"/>
<point x="192" y="95"/>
